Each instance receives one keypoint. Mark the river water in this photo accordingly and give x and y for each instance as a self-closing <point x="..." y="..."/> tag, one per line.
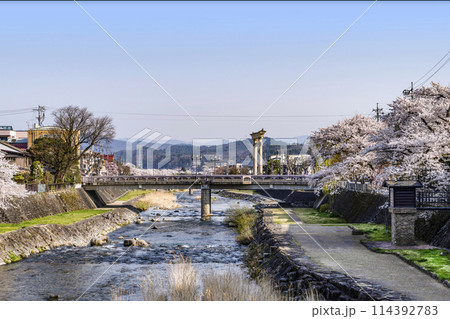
<point x="89" y="273"/>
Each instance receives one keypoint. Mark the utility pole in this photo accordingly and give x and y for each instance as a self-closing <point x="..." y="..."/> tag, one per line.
<point x="410" y="92"/>
<point x="378" y="111"/>
<point x="41" y="114"/>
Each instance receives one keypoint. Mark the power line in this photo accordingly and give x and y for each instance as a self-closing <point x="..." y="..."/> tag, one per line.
<point x="423" y="82"/>
<point x="432" y="67"/>
<point x="226" y="116"/>
<point x="15" y="112"/>
<point x="410" y="91"/>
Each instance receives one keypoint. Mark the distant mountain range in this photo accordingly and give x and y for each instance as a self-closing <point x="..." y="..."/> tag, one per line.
<point x="180" y="154"/>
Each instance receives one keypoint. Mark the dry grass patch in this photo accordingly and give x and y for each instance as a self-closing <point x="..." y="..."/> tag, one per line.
<point x="184" y="284"/>
<point x="232" y="285"/>
<point x="158" y="199"/>
<point x="312" y="294"/>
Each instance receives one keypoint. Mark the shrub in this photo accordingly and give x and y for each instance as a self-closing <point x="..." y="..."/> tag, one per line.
<point x="244" y="218"/>
<point x="36" y="171"/>
<point x="19" y="178"/>
<point x="323" y="208"/>
<point x="142" y="205"/>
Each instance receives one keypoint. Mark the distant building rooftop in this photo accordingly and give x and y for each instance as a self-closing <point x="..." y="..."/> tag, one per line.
<point x="6" y="147"/>
<point x="44" y="128"/>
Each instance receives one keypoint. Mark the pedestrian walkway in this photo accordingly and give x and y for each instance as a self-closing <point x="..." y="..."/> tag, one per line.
<point x="386" y="270"/>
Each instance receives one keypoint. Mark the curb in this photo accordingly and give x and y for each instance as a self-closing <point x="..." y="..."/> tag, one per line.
<point x="409" y="262"/>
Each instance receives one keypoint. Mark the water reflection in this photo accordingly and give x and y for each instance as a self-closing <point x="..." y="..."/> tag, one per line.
<point x="69" y="271"/>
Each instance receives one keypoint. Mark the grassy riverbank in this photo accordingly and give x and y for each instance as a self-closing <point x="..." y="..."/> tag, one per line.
<point x="436" y="261"/>
<point x="245" y="191"/>
<point x="134" y="193"/>
<point x="60" y="219"/>
<point x="307" y="216"/>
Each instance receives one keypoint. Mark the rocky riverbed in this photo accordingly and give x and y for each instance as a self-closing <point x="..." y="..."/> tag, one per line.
<point x="90" y="273"/>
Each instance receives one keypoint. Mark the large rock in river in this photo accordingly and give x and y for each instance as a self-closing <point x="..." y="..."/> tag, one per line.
<point x="99" y="241"/>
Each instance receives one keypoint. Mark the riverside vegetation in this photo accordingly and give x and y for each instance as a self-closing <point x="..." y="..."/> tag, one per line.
<point x="245" y="219"/>
<point x="184" y="283"/>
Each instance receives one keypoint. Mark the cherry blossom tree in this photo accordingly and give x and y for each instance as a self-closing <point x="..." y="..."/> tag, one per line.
<point x="339" y="156"/>
<point x="8" y="187"/>
<point x="112" y="169"/>
<point x="415" y="143"/>
<point x="411" y="142"/>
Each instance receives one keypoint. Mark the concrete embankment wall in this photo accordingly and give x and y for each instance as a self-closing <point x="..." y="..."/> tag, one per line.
<point x="241" y="196"/>
<point x="45" y="204"/>
<point x="21" y="243"/>
<point x="111" y="194"/>
<point x="293" y="197"/>
<point x="294" y="273"/>
<point x="359" y="207"/>
<point x="432" y="227"/>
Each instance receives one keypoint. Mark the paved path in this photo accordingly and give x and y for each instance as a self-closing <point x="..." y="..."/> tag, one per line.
<point x="386" y="270"/>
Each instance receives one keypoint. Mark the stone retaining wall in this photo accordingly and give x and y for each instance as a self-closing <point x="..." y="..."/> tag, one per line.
<point x="295" y="273"/>
<point x="22" y="243"/>
<point x="45" y="204"/>
<point x="358" y="207"/>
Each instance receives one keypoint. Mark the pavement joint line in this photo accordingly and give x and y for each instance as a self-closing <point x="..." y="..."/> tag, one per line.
<point x="126" y="250"/>
<point x="317" y="243"/>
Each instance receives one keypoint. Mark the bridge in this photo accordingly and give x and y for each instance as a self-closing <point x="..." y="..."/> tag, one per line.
<point x="203" y="182"/>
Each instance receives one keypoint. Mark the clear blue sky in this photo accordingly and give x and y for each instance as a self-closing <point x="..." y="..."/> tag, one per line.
<point x="216" y="58"/>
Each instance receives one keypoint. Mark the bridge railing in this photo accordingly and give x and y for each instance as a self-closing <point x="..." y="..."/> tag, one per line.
<point x="184" y="179"/>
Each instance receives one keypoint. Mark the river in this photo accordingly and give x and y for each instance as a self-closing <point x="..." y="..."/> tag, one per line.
<point x="89" y="273"/>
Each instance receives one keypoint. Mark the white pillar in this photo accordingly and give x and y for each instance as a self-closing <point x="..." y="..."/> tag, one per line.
<point x="255" y="158"/>
<point x="260" y="157"/>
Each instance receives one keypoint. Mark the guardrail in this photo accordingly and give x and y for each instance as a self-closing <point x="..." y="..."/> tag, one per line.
<point x="360" y="187"/>
<point x="42" y="188"/>
<point x="432" y="199"/>
<point x="189" y="179"/>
